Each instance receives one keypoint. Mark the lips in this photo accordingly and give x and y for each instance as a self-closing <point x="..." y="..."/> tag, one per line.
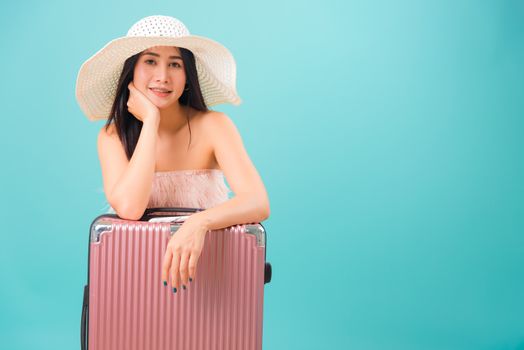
<point x="160" y="92"/>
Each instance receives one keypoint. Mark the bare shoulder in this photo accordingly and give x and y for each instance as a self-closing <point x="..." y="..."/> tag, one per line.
<point x="108" y="136"/>
<point x="218" y="125"/>
<point x="110" y="131"/>
<point x="108" y="140"/>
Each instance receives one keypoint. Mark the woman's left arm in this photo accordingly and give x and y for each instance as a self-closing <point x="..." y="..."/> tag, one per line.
<point x="249" y="205"/>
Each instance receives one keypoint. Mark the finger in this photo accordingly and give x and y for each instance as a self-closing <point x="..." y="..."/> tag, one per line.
<point x="193" y="260"/>
<point x="178" y="277"/>
<point x="168" y="256"/>
<point x="175" y="274"/>
<point x="184" y="260"/>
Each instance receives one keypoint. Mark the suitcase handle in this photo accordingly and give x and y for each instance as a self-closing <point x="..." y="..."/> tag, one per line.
<point x="151" y="212"/>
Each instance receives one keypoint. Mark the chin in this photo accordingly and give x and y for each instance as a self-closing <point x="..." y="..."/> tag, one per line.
<point x="165" y="105"/>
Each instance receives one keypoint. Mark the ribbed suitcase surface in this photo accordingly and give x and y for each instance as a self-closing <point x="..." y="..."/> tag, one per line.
<point x="130" y="308"/>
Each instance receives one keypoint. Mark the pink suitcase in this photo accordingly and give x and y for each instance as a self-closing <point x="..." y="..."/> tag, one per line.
<point x="127" y="307"/>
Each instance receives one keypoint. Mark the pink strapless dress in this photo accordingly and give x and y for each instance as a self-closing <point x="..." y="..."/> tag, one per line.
<point x="199" y="188"/>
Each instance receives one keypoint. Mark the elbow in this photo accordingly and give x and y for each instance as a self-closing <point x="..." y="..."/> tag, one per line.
<point x="129" y="215"/>
<point x="264" y="211"/>
<point x="265" y="214"/>
<point x="128" y="212"/>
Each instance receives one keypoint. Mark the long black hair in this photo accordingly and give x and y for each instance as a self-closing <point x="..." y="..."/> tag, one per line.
<point x="128" y="127"/>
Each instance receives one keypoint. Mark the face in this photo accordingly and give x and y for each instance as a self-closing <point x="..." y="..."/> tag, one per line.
<point x="160" y="67"/>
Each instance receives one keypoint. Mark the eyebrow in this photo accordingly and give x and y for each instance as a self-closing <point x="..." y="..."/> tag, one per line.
<point x="157" y="55"/>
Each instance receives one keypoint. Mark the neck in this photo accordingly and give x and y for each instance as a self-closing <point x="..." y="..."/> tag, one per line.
<point x="172" y="119"/>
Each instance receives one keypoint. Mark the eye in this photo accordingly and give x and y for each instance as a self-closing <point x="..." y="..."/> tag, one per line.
<point x="175" y="64"/>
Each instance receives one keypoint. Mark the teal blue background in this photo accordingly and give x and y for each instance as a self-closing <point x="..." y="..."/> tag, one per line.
<point x="389" y="136"/>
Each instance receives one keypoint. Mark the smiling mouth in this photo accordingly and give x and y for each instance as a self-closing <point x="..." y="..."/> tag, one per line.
<point x="161" y="91"/>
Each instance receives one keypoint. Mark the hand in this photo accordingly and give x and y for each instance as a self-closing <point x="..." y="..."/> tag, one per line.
<point x="183" y="252"/>
<point x="140" y="105"/>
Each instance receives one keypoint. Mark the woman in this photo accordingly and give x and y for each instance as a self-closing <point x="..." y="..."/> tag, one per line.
<point x="161" y="145"/>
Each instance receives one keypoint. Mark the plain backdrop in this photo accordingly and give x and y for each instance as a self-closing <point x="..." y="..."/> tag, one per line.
<point x="389" y="136"/>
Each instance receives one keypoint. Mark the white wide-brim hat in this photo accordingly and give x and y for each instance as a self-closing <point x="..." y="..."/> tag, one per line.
<point x="98" y="77"/>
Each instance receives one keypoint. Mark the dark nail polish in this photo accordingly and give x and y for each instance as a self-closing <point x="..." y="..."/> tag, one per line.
<point x="183" y="286"/>
<point x="190" y="279"/>
<point x="165" y="283"/>
<point x="174" y="290"/>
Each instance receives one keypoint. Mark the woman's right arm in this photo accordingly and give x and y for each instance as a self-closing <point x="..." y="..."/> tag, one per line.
<point x="127" y="184"/>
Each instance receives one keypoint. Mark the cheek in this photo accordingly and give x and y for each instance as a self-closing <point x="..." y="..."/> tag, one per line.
<point x="180" y="81"/>
<point x="140" y="78"/>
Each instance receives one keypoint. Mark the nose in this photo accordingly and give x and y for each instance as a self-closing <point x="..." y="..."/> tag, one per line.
<point x="161" y="74"/>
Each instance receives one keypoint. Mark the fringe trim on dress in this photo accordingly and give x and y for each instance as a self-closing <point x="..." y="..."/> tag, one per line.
<point x="201" y="188"/>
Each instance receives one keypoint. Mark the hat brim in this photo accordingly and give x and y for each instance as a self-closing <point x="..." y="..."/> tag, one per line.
<point x="98" y="76"/>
